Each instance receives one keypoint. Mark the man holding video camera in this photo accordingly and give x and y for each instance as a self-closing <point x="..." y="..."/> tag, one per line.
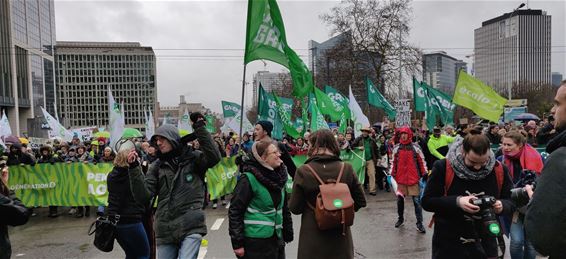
<point x="545" y="221"/>
<point x="467" y="191"/>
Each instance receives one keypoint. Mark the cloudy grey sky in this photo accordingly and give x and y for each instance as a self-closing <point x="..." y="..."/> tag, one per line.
<point x="199" y="44"/>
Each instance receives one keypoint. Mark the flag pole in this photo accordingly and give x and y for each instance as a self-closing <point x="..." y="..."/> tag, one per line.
<point x="242" y="105"/>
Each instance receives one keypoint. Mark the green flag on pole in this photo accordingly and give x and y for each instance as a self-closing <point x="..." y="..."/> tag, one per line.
<point x="478" y="97"/>
<point x="265" y="39"/>
<point x="286" y="118"/>
<point x="419" y="96"/>
<point x="317" y="120"/>
<point x="210" y="123"/>
<point x="377" y="100"/>
<point x="327" y="106"/>
<point x="442" y="101"/>
<point x="341" y="99"/>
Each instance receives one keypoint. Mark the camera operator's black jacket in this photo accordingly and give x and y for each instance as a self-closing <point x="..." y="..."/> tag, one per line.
<point x="545" y="220"/>
<point x="12" y="213"/>
<point x="450" y="225"/>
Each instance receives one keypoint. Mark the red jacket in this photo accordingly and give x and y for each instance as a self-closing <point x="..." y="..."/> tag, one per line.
<point x="404" y="168"/>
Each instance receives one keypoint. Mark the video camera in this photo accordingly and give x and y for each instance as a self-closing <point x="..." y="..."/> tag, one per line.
<point x="487" y="214"/>
<point x="519" y="195"/>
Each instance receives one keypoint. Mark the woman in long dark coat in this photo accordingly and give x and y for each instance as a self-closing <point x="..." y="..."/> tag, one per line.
<point x="324" y="158"/>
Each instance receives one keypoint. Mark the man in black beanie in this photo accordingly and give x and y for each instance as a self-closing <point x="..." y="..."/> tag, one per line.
<point x="262" y="132"/>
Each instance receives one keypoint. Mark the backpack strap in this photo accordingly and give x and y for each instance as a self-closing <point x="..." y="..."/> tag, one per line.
<point x="448" y="177"/>
<point x="313" y="172"/>
<point x="499" y="176"/>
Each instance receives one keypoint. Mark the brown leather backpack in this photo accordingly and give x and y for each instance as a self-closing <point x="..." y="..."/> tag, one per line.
<point x="334" y="203"/>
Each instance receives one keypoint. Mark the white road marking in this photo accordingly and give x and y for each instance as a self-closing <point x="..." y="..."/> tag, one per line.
<point x="18" y="255"/>
<point x="201" y="252"/>
<point x="217" y="224"/>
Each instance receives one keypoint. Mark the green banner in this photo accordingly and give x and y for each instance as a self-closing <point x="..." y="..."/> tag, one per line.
<point x="478" y="97"/>
<point x="61" y="184"/>
<point x="221" y="179"/>
<point x="79" y="184"/>
<point x="329" y="106"/>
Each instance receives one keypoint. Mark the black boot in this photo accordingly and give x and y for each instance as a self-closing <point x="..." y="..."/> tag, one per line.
<point x="400" y="211"/>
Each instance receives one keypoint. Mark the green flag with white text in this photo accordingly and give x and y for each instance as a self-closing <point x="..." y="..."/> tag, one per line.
<point x="265" y="39"/>
<point x="338" y="97"/>
<point x="442" y="101"/>
<point x="419" y="96"/>
<point x="317" y="120"/>
<point x="329" y="107"/>
<point x="478" y="97"/>
<point x="376" y="99"/>
<point x="267" y="110"/>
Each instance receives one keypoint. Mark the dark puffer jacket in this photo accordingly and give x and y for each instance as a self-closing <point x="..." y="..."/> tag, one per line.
<point x="545" y="222"/>
<point x="12" y="213"/>
<point x="178" y="179"/>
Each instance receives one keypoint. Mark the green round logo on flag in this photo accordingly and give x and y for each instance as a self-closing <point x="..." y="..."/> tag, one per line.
<point x="338" y="203"/>
<point x="494" y="228"/>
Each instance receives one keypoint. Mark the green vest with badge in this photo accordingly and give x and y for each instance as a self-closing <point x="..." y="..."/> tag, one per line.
<point x="262" y="218"/>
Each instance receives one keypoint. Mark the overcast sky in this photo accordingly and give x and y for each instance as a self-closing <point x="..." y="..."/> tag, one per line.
<point x="199" y="44"/>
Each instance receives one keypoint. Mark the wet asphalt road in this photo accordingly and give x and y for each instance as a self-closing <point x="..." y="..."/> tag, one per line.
<point x="374" y="235"/>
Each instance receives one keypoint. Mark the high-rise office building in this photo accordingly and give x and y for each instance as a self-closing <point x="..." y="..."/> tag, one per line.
<point x="513" y="50"/>
<point x="269" y="81"/>
<point x="85" y="70"/>
<point x="27" y="36"/>
<point x="441" y="71"/>
<point x="556" y="78"/>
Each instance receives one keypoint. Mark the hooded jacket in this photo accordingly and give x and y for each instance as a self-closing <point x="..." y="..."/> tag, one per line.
<point x="177" y="178"/>
<point x="545" y="223"/>
<point x="408" y="164"/>
<point x="18" y="157"/>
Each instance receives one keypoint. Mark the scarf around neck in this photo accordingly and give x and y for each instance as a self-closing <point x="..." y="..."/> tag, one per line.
<point x="528" y="157"/>
<point x="456" y="157"/>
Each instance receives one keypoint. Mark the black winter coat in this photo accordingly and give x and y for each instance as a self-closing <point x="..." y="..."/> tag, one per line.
<point x="12" y="213"/>
<point x="177" y="178"/>
<point x="545" y="220"/>
<point x="256" y="247"/>
<point x="120" y="199"/>
<point x="450" y="224"/>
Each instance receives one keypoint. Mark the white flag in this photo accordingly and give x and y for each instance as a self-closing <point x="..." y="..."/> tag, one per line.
<point x="149" y="125"/>
<point x="183" y="123"/>
<point x="56" y="128"/>
<point x="358" y="117"/>
<point x="116" y="120"/>
<point x="5" y="129"/>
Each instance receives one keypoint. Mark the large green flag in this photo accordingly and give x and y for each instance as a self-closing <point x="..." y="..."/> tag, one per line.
<point x="285" y="117"/>
<point x="443" y="102"/>
<point x="328" y="106"/>
<point x="265" y="39"/>
<point x="432" y="109"/>
<point x="376" y="99"/>
<point x="317" y="120"/>
<point x="419" y="96"/>
<point x="478" y="97"/>
<point x="267" y="110"/>
<point x="341" y="99"/>
<point x="231" y="112"/>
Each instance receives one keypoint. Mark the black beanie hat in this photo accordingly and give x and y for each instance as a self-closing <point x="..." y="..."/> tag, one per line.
<point x="266" y="125"/>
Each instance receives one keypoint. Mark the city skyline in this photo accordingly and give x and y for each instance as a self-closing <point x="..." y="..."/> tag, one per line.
<point x="206" y="51"/>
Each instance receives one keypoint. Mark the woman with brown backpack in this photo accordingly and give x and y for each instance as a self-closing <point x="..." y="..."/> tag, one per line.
<point x="326" y="191"/>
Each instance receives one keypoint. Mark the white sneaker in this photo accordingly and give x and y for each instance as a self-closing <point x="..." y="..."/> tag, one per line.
<point x="223" y="203"/>
<point x="214" y="206"/>
<point x="72" y="211"/>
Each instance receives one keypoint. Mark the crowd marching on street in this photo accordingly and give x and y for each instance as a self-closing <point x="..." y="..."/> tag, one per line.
<point x="467" y="170"/>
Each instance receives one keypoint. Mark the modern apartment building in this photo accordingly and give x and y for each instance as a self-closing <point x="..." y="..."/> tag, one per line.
<point x="85" y="71"/>
<point x="513" y="50"/>
<point x="441" y="71"/>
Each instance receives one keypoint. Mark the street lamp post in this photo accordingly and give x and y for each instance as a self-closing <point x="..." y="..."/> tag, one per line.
<point x="510" y="83"/>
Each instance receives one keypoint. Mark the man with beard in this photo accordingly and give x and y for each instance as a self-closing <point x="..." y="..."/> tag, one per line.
<point x="469" y="170"/>
<point x="545" y="222"/>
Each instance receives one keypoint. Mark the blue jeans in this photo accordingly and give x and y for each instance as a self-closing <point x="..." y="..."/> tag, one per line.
<point x="188" y="249"/>
<point x="133" y="240"/>
<point x="520" y="247"/>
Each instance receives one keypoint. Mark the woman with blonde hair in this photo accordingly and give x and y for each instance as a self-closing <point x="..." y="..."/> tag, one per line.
<point x="130" y="232"/>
